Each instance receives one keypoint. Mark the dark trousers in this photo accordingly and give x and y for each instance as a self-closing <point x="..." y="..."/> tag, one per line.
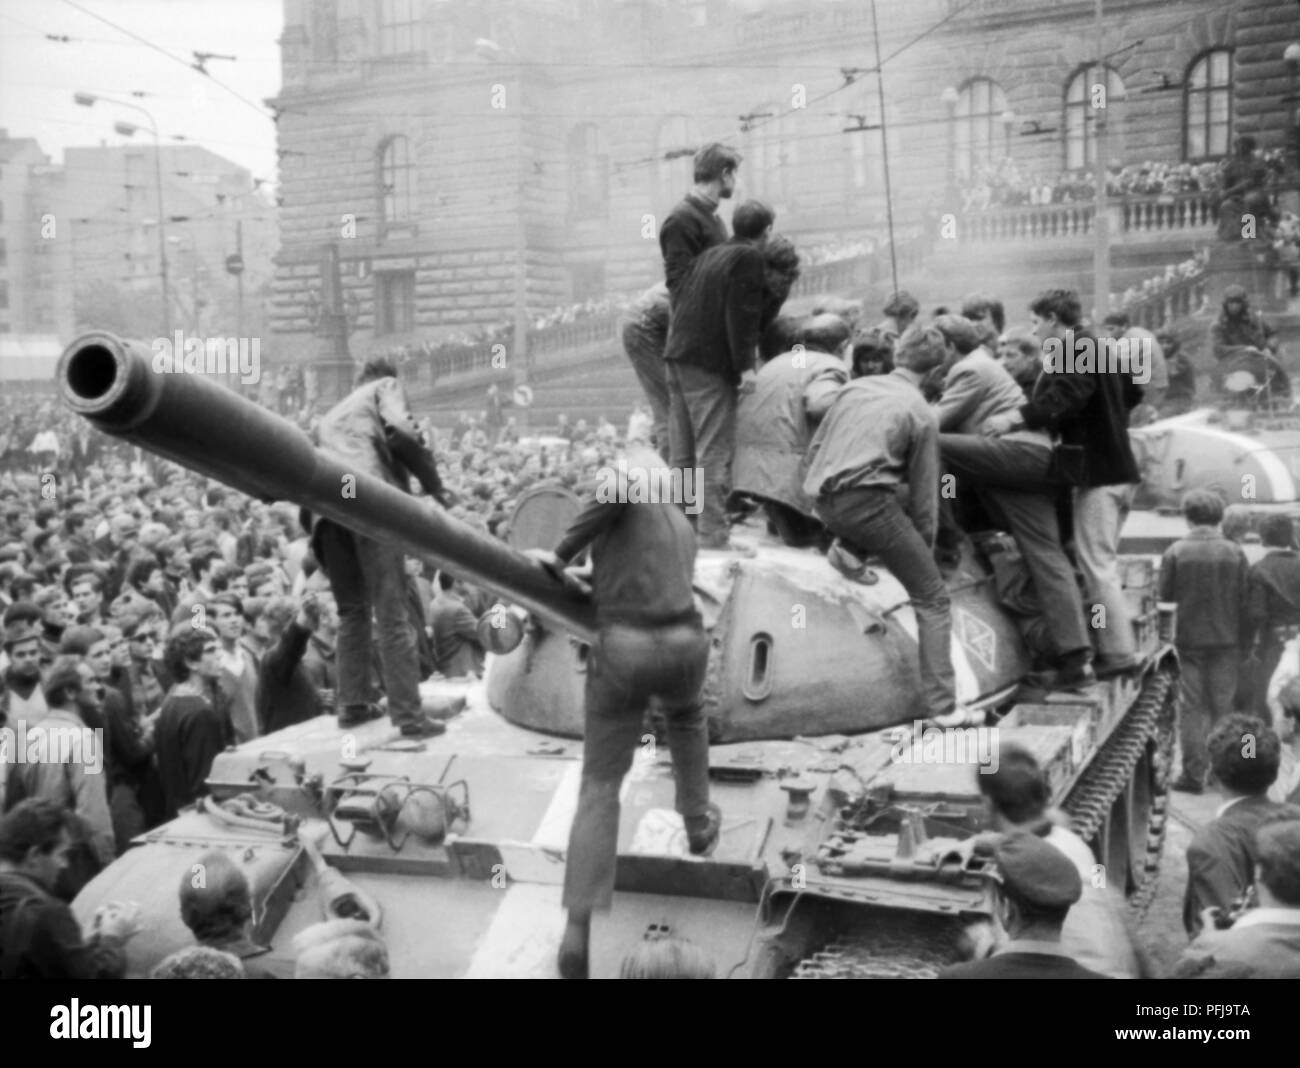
<point x="702" y="434"/>
<point x="1207" y="686"/>
<point x="369" y="578"/>
<point x="1014" y="477"/>
<point x="792" y="526"/>
<point x="626" y="668"/>
<point x="646" y="352"/>
<point x="872" y="521"/>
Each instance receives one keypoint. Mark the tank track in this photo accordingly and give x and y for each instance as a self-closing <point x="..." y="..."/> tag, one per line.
<point x="881" y="955"/>
<point x="1148" y="728"/>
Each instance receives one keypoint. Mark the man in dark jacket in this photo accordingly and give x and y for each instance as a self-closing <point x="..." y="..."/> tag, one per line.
<point x="650" y="643"/>
<point x="1207" y="575"/>
<point x="716" y="321"/>
<point x="1272" y="605"/>
<point x="1245" y="754"/>
<point x="1081" y="399"/>
<point x="1038" y="885"/>
<point x="373" y="429"/>
<point x="41" y="938"/>
<point x="1238" y="327"/>
<point x="285" y="693"/>
<point x="457" y="649"/>
<point x="693" y="225"/>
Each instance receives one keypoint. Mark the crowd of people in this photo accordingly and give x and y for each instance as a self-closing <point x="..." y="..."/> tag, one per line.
<point x="176" y="616"/>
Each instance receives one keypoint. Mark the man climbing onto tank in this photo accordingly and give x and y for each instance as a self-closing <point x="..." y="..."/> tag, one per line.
<point x="650" y="643"/>
<point x="373" y="429"/>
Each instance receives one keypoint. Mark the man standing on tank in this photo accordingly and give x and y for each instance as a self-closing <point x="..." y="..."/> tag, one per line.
<point x="693" y="225"/>
<point x="373" y="430"/>
<point x="650" y="643"/>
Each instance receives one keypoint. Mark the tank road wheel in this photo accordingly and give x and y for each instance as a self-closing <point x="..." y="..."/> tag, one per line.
<point x="1113" y="845"/>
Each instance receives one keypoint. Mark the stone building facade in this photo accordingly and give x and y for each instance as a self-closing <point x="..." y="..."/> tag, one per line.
<point x="474" y="159"/>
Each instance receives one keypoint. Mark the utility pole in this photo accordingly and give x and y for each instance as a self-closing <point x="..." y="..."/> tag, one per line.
<point x="1101" y="214"/>
<point x="884" y="148"/>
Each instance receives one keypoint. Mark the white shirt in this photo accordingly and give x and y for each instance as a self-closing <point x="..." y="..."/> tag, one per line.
<point x="1261" y="916"/>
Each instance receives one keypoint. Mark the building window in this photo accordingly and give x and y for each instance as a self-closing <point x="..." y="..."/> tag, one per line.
<point x="588" y="174"/>
<point x="394" y="182"/>
<point x="866" y="155"/>
<point x="587" y="281"/>
<point x="1209" y="105"/>
<point x="324" y="31"/>
<point x="4" y="294"/>
<point x="394" y="302"/>
<point x="978" y="135"/>
<point x="1083" y="104"/>
<point x="4" y="252"/>
<point x="398" y="23"/>
<point x="675" y="148"/>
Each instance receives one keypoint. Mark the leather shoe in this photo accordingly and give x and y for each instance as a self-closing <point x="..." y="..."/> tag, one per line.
<point x="423" y="728"/>
<point x="702" y="839"/>
<point x="1106" y="666"/>
<point x="1185" y="785"/>
<point x="355" y="715"/>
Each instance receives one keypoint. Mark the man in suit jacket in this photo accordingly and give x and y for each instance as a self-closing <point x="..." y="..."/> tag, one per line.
<point x="1264" y="943"/>
<point x="1244" y="757"/>
<point x="1039" y="884"/>
<point x="1013" y="474"/>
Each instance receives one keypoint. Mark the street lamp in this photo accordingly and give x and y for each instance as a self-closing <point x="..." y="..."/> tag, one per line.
<point x="87" y="100"/>
<point x="950" y="96"/>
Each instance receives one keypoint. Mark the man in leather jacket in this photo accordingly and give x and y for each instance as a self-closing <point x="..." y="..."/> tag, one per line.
<point x="373" y="429"/>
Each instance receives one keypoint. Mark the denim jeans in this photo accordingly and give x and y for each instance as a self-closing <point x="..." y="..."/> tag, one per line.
<point x="1207" y="684"/>
<point x="369" y="577"/>
<point x="702" y="433"/>
<point x="626" y="668"/>
<point x="1099" y="514"/>
<point x="1014" y="477"/>
<point x="872" y="520"/>
<point x="647" y="357"/>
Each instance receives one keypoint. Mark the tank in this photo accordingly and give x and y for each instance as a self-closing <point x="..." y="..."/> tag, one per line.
<point x="848" y="821"/>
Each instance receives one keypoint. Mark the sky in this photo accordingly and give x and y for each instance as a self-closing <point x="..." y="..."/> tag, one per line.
<point x="38" y="76"/>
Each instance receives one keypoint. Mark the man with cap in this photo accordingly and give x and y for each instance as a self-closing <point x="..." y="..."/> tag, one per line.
<point x="1239" y="327"/>
<point x="1036" y="886"/>
<point x="877" y="447"/>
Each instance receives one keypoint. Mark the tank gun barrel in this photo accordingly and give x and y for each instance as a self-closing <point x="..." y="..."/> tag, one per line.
<point x="202" y="426"/>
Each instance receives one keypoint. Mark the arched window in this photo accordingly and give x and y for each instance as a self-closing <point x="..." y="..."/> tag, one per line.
<point x="978" y="134"/>
<point x="1084" y="102"/>
<point x="1209" y="105"/>
<point x="675" y="148"/>
<point x="588" y="174"/>
<point x="394" y="182"/>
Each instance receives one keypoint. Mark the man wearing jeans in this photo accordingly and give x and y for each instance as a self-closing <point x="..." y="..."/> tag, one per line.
<point x="1085" y="406"/>
<point x="878" y="447"/>
<point x="645" y="334"/>
<point x="717" y="317"/>
<point x="373" y="429"/>
<point x="650" y="643"/>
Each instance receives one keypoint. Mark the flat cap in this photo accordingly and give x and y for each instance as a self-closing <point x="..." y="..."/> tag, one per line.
<point x="1035" y="872"/>
<point x="958" y="330"/>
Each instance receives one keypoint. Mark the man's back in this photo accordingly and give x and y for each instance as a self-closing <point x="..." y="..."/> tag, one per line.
<point x="1094" y="934"/>
<point x="717" y="311"/>
<point x="772" y="428"/>
<point x="1221" y="856"/>
<point x="1020" y="965"/>
<point x="455" y="636"/>
<point x="975" y="388"/>
<point x="1207" y="575"/>
<point x="40" y="938"/>
<point x="189" y="736"/>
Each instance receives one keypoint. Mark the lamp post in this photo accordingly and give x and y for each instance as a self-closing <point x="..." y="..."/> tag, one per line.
<point x="950" y="96"/>
<point x="87" y="100"/>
